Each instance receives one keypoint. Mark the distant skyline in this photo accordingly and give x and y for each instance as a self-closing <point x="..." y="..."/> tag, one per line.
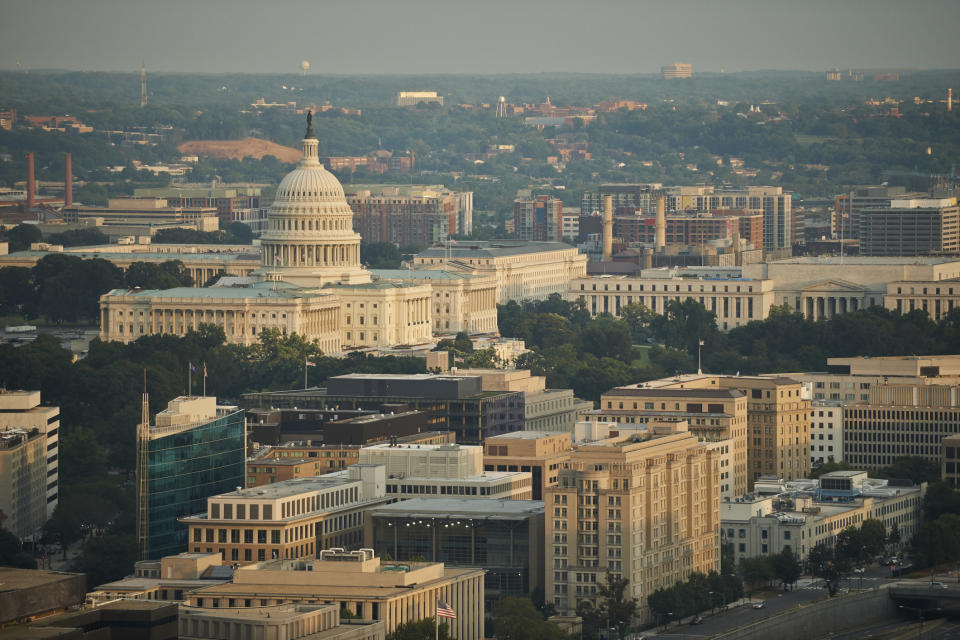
<point x="487" y="37"/>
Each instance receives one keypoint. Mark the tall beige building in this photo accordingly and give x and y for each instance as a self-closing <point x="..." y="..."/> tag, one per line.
<point x="645" y="507"/>
<point x="29" y="470"/>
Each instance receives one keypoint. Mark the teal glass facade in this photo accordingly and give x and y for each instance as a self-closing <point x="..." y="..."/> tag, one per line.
<point x="184" y="469"/>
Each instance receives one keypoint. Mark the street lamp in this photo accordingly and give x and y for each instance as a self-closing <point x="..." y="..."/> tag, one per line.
<point x="713" y="601"/>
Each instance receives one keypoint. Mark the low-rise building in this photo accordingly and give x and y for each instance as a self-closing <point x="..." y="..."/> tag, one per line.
<point x="799" y="515"/>
<point x="291" y="519"/>
<point x="149" y="214"/>
<point x="234" y="203"/>
<point x="542" y="453"/>
<point x="505" y="537"/>
<point x="394" y="592"/>
<point x="288" y="621"/>
<point x="454" y="470"/>
<point x="937" y="297"/>
<point x="167" y="579"/>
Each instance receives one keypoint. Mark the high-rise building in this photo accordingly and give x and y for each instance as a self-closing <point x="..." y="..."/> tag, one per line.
<point x="194" y="450"/>
<point x="848" y="207"/>
<point x="538" y="218"/>
<point x="29" y="469"/>
<point x="625" y="196"/>
<point x="645" y="508"/>
<point x="542" y="453"/>
<point x="405" y="216"/>
<point x="911" y="227"/>
<point x="677" y="70"/>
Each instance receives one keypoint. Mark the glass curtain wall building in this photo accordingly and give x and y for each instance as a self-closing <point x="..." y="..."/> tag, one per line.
<point x="505" y="537"/>
<point x="194" y="450"/>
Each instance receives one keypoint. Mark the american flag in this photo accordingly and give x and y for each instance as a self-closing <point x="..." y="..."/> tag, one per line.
<point x="445" y="611"/>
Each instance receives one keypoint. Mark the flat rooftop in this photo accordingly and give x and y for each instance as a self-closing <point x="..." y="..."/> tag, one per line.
<point x="12" y="579"/>
<point x="461" y="508"/>
<point x="528" y="435"/>
<point x="865" y="260"/>
<point x="720" y="394"/>
<point x="288" y="488"/>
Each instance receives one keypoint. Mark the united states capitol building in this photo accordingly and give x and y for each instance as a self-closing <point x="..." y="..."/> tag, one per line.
<point x="311" y="282"/>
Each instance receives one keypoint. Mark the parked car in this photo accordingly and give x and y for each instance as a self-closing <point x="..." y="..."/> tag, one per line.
<point x="938" y="585"/>
<point x="697" y="620"/>
<point x="759" y="605"/>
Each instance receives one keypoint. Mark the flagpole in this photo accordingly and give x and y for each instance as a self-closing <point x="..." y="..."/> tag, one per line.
<point x="306" y="367"/>
<point x="436" y="621"/>
<point x="189" y="379"/>
<point x="204" y="378"/>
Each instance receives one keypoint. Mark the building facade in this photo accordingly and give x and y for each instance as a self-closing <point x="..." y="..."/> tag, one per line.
<point x="195" y="449"/>
<point x="541" y="453"/>
<point x="505" y="537"/>
<point x="644" y="508"/>
<point x="538" y="218"/>
<point x="29" y="466"/>
<point x="911" y="227"/>
<point x="291" y="519"/>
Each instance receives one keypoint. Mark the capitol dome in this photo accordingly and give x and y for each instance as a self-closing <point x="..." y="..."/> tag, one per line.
<point x="309" y="239"/>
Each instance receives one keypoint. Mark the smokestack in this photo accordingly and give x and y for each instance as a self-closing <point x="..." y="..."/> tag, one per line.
<point x="607" y="228"/>
<point x="31" y="182"/>
<point x="949" y="99"/>
<point x="67" y="181"/>
<point x="661" y="229"/>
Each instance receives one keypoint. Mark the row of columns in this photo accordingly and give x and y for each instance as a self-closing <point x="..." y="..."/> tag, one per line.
<point x="827" y="306"/>
<point x="309" y="255"/>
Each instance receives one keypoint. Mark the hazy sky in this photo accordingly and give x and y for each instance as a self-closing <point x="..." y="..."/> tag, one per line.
<point x="484" y="36"/>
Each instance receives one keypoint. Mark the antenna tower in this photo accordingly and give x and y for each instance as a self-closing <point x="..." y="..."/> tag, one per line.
<point x="143" y="480"/>
<point x="143" y="84"/>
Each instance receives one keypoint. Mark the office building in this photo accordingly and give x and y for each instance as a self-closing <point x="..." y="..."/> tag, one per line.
<point x="290" y="519"/>
<point x="900" y="420"/>
<point x="542" y="453"/>
<point x="911" y="227"/>
<point x="447" y="470"/>
<point x="950" y="460"/>
<point x="364" y="585"/>
<point x="735" y="300"/>
<point x="538" y="218"/>
<point x="676" y="70"/>
<point x="717" y="417"/>
<point x="306" y="459"/>
<point x="167" y="579"/>
<point x="29" y="466"/>
<point x="505" y="537"/>
<point x="826" y="432"/>
<point x="144" y="216"/>
<point x="412" y="98"/>
<point x="194" y="450"/>
<point x="646" y="508"/>
<point x="937" y="297"/>
<point x="848" y="207"/>
<point x="234" y="203"/>
<point x="799" y="515"/>
<point x="523" y="270"/>
<point x="289" y="621"/>
<point x="460" y="401"/>
<point x="543" y="409"/>
<point x="849" y="380"/>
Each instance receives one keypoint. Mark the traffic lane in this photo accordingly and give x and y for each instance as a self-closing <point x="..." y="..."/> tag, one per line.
<point x="731" y="619"/>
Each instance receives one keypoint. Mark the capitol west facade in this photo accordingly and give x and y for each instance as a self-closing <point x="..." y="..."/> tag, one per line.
<point x="311" y="282"/>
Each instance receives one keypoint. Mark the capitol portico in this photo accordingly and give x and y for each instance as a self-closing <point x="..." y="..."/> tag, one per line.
<point x="310" y="282"/>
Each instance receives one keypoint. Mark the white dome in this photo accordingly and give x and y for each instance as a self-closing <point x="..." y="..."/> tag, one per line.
<point x="310" y="181"/>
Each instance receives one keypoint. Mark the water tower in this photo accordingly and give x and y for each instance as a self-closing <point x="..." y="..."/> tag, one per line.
<point x="304" y="67"/>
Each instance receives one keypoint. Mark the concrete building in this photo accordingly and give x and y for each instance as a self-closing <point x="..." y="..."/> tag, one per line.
<point x="29" y="466"/>
<point x="167" y="579"/>
<point x="634" y="196"/>
<point x="361" y="583"/>
<point x="523" y="270"/>
<point x="911" y="227"/>
<point x="505" y="537"/>
<point x="823" y="286"/>
<point x="735" y="300"/>
<point x="937" y="297"/>
<point x="290" y="622"/>
<point x="195" y="449"/>
<point x="234" y="203"/>
<point x="677" y="70"/>
<point x="407" y="215"/>
<point x="543" y="409"/>
<point x="30" y="593"/>
<point x="146" y="214"/>
<point x="717" y="417"/>
<point x="826" y="432"/>
<point x="538" y="219"/>
<point x="542" y="453"/>
<point x="460" y="302"/>
<point x="415" y="470"/>
<point x="290" y="519"/>
<point x="950" y="460"/>
<point x="900" y="420"/>
<point x="646" y="508"/>
<point x="848" y="207"/>
<point x="412" y="98"/>
<point x="849" y="380"/>
<point x="799" y="515"/>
